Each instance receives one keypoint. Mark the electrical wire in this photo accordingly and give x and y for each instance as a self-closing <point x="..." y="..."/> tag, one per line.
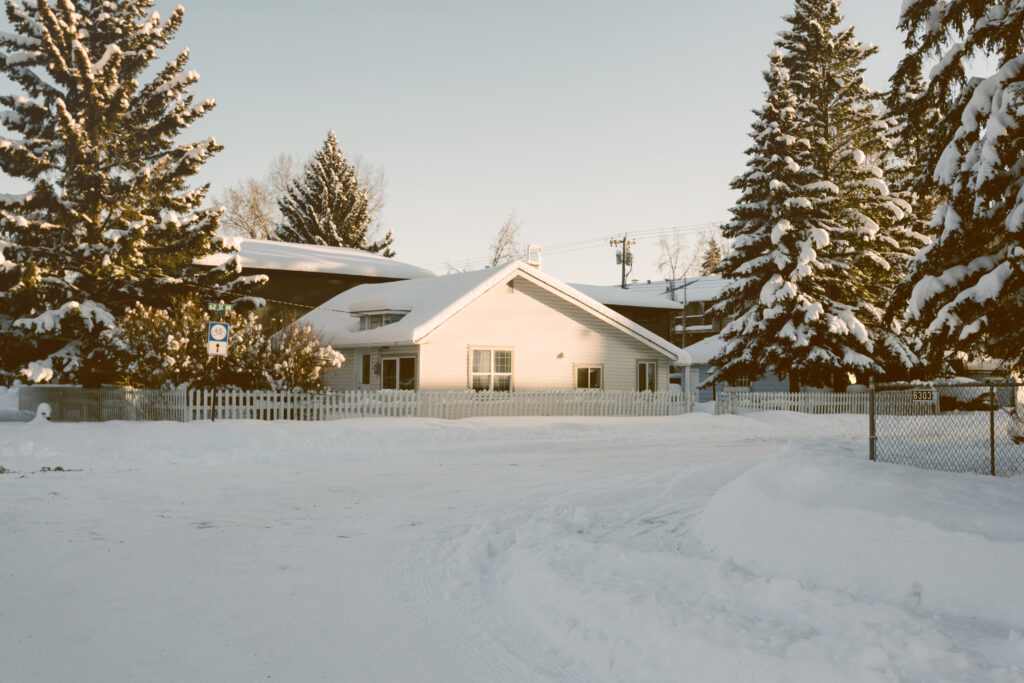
<point x="592" y="242"/>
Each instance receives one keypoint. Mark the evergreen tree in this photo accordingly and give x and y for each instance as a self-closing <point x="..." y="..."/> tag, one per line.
<point x="873" y="236"/>
<point x="781" y="280"/>
<point x="109" y="219"/>
<point x="908" y="171"/>
<point x="819" y="241"/>
<point x="711" y="258"/>
<point x="966" y="288"/>
<point x="327" y="205"/>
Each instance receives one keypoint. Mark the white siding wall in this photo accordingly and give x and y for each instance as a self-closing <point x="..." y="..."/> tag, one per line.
<point x="349" y="376"/>
<point x="548" y="336"/>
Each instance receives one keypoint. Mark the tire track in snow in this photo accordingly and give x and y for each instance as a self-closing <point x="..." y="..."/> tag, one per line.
<point x="482" y="645"/>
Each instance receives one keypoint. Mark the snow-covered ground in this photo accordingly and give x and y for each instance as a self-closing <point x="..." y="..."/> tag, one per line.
<point x="695" y="548"/>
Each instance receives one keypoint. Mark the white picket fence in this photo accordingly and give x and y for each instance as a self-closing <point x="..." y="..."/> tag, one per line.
<point x="742" y="402"/>
<point x="271" y="405"/>
<point x="900" y="402"/>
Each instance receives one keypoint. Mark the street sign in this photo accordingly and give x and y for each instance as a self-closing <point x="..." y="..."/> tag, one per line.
<point x="217" y="341"/>
<point x="220" y="307"/>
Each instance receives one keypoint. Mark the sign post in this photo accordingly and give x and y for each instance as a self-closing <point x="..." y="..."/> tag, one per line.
<point x="218" y="337"/>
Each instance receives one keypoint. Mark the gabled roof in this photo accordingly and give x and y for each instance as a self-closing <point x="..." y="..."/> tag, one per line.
<point x="432" y="301"/>
<point x="314" y="258"/>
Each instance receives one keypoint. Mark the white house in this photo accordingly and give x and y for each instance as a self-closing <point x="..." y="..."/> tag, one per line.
<point x="506" y="328"/>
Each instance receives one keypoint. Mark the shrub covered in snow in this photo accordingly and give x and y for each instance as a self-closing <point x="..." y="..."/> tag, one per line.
<point x="152" y="348"/>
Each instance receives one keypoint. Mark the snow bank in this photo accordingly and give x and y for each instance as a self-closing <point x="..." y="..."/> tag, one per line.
<point x="8" y="398"/>
<point x="948" y="543"/>
<point x="814" y="566"/>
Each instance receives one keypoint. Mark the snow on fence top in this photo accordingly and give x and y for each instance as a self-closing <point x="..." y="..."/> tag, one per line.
<point x="314" y="258"/>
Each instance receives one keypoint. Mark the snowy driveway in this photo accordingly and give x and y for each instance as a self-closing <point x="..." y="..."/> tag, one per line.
<point x="520" y="549"/>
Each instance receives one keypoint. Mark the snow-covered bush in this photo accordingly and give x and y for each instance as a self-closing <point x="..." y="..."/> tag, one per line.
<point x="152" y="348"/>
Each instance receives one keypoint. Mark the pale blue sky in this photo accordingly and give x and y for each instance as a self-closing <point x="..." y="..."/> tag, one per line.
<point x="588" y="118"/>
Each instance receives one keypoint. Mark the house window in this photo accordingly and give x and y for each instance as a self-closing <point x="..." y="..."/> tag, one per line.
<point x="589" y="376"/>
<point x="398" y="373"/>
<point x="366" y="368"/>
<point x="491" y="369"/>
<point x="647" y="375"/>
<point x="371" y="321"/>
<point x="740" y="383"/>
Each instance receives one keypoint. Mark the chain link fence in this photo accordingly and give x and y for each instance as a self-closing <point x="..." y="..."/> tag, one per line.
<point x="956" y="427"/>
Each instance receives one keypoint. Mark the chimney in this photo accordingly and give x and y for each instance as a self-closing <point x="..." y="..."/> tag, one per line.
<point x="534" y="255"/>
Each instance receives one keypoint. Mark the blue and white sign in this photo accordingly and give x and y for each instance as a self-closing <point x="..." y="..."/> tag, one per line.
<point x="217" y="343"/>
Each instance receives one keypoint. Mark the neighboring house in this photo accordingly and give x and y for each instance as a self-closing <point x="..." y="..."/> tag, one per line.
<point x="695" y="295"/>
<point x="307" y="275"/>
<point x="659" y="314"/>
<point x="701" y="354"/>
<point x="506" y="328"/>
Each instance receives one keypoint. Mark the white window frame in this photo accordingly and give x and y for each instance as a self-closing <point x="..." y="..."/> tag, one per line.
<point x="587" y="366"/>
<point x="740" y="383"/>
<point x="371" y="321"/>
<point x="642" y="372"/>
<point x="491" y="374"/>
<point x="398" y="358"/>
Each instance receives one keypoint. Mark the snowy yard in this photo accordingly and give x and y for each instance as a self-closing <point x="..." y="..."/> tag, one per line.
<point x="695" y="548"/>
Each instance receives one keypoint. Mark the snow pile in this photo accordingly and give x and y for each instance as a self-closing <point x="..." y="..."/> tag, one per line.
<point x="943" y="542"/>
<point x="808" y="567"/>
<point x="9" y="398"/>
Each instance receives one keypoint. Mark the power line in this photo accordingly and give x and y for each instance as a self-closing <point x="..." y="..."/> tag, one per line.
<point x="593" y="242"/>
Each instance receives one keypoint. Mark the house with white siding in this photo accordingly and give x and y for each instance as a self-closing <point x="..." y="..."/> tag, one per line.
<point x="501" y="329"/>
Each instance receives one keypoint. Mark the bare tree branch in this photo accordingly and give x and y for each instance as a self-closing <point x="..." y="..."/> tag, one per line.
<point x="505" y="246"/>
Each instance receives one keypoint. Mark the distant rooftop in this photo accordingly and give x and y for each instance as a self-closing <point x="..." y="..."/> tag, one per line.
<point x="311" y="258"/>
<point x="648" y="294"/>
<point x="614" y="295"/>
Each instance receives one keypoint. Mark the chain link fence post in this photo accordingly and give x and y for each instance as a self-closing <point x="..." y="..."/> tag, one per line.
<point x="871" y="420"/>
<point x="993" y="406"/>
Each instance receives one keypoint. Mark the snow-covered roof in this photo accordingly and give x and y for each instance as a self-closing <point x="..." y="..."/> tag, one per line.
<point x="706" y="288"/>
<point x="614" y="295"/>
<point x="312" y="258"/>
<point x="432" y="301"/>
<point x="703" y="351"/>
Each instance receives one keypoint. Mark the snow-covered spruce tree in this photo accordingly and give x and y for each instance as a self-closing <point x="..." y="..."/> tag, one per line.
<point x="327" y="205"/>
<point x="109" y="219"/>
<point x="781" y="298"/>
<point x="870" y="236"/>
<point x="912" y="120"/>
<point x="966" y="289"/>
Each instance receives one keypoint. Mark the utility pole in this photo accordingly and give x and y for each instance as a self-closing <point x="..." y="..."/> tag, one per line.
<point x="624" y="256"/>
